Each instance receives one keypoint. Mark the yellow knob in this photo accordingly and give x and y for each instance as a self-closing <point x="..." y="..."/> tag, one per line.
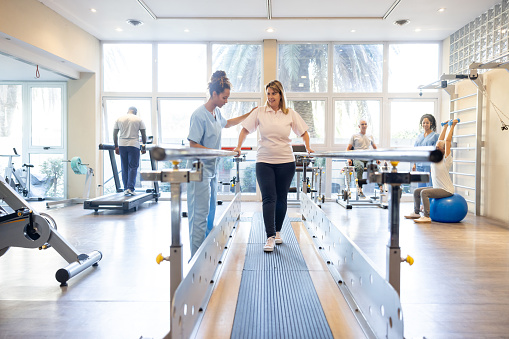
<point x="175" y="162"/>
<point x="409" y="260"/>
<point x="159" y="258"/>
<point x="394" y="163"/>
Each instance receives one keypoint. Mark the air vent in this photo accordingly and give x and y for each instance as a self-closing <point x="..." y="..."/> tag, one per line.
<point x="401" y="22"/>
<point x="134" y="22"/>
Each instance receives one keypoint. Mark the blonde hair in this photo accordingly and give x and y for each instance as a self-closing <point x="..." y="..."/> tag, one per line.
<point x="278" y="88"/>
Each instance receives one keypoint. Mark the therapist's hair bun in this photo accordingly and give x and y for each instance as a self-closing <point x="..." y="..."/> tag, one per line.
<point x="219" y="82"/>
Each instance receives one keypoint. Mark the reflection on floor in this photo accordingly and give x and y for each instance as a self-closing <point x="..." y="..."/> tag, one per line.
<point x="457" y="287"/>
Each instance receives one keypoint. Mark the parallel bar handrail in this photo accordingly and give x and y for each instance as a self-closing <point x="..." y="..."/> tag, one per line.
<point x="165" y="153"/>
<point x="426" y="154"/>
<point x="463" y="148"/>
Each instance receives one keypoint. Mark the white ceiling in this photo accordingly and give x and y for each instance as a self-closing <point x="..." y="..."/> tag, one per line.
<point x="247" y="20"/>
<point x="293" y="20"/>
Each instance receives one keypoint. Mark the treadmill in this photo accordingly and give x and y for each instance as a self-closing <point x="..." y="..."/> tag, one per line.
<point x="119" y="201"/>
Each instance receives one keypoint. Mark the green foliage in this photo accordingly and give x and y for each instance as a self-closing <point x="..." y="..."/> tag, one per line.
<point x="248" y="180"/>
<point x="54" y="170"/>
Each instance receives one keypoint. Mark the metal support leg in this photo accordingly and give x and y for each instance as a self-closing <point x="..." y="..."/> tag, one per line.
<point x="237" y="183"/>
<point x="393" y="249"/>
<point x="176" y="258"/>
<point x="304" y="176"/>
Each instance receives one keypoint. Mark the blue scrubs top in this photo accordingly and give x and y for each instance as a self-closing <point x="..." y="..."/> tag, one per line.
<point x="205" y="129"/>
<point x="430" y="140"/>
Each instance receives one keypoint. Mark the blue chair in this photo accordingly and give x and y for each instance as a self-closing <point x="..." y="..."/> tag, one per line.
<point x="450" y="209"/>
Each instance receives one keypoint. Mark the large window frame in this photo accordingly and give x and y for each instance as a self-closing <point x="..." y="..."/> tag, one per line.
<point x="28" y="149"/>
<point x="157" y="96"/>
<point x="385" y="97"/>
<point x="329" y="97"/>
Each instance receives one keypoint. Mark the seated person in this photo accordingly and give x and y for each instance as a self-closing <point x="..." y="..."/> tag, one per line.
<point x="442" y="184"/>
<point x="360" y="141"/>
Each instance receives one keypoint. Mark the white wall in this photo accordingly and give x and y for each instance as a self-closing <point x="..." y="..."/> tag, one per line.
<point x="495" y="155"/>
<point x="38" y="29"/>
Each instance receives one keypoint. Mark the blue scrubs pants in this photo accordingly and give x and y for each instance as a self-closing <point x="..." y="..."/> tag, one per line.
<point x="201" y="206"/>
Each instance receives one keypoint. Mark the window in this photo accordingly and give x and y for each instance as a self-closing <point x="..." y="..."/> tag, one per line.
<point x="358" y="68"/>
<point x="242" y="64"/>
<point x="11" y="123"/>
<point x="227" y="169"/>
<point x="182" y="67"/>
<point x="46" y="117"/>
<point x="412" y="65"/>
<point x="405" y="118"/>
<point x="303" y="67"/>
<point x="230" y="136"/>
<point x="33" y="125"/>
<point x="127" y="67"/>
<point x="313" y="113"/>
<point x="175" y="118"/>
<point x="115" y="108"/>
<point x="347" y="115"/>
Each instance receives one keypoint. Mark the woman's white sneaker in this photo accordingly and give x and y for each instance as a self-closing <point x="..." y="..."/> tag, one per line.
<point x="423" y="220"/>
<point x="279" y="240"/>
<point x="269" y="246"/>
<point x="413" y="215"/>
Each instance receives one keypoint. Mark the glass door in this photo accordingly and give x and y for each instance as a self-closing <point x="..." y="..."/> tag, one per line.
<point x="44" y="169"/>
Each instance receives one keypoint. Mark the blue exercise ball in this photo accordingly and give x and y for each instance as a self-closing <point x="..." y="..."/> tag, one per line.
<point x="450" y="209"/>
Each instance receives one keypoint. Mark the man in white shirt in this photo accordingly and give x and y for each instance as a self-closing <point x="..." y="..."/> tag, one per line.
<point x="360" y="141"/>
<point x="126" y="137"/>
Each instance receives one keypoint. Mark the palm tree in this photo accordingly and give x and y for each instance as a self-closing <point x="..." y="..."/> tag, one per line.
<point x="242" y="64"/>
<point x="304" y="68"/>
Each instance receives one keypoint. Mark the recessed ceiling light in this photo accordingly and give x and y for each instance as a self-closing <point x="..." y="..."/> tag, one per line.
<point x="118" y="29"/>
<point x="93" y="10"/>
<point x="440" y="10"/>
<point x="186" y="30"/>
<point x="270" y="30"/>
<point x="353" y="31"/>
<point x="417" y="30"/>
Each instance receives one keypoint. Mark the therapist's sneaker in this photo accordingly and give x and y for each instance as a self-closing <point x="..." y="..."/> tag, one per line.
<point x="413" y="215"/>
<point x="278" y="239"/>
<point x="423" y="220"/>
<point x="269" y="246"/>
